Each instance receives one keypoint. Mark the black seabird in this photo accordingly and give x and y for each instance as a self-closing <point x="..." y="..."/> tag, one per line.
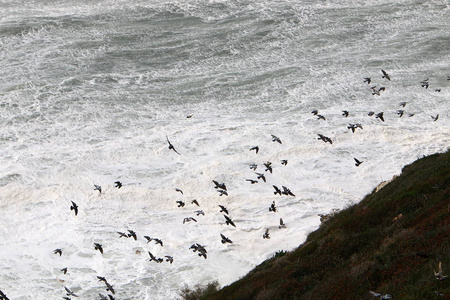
<point x="282" y="225"/>
<point x="223" y="209"/>
<point x="354" y="126"/>
<point x="169" y="259"/>
<point x="3" y="296"/>
<point x="437" y="90"/>
<point x="403" y="104"/>
<point x="98" y="247"/>
<point x="222" y="192"/>
<point x="253" y="167"/>
<point x="385" y="75"/>
<point x="268" y="166"/>
<point x="225" y="239"/>
<point x="380" y="116"/>
<point x="171" y="147"/>
<point x="178" y="190"/>
<point x="158" y="241"/>
<point x="152" y="257"/>
<point x="367" y="79"/>
<point x="252" y="181"/>
<point x="276" y="139"/>
<point x="256" y="148"/>
<point x="357" y="162"/>
<point x="132" y="234"/>
<point x="287" y="191"/>
<point x="74" y="207"/>
<point x="284" y="162"/>
<point x="424" y="83"/>
<point x="195" y="202"/>
<point x="277" y="190"/>
<point x="122" y="234"/>
<point x="229" y="221"/>
<point x="324" y="138"/>
<point x="100" y="278"/>
<point x="219" y="185"/>
<point x="180" y="203"/>
<point x="102" y="297"/>
<point x="435" y="118"/>
<point x="64" y="270"/>
<point x="371" y="113"/>
<point x="400" y="112"/>
<point x="69" y="292"/>
<point x="315" y="112"/>
<point x="321" y="117"/>
<point x="345" y="113"/>
<point x="200" y="212"/>
<point x="98" y="188"/>
<point x="273" y="207"/>
<point x="58" y="251"/>
<point x="188" y="219"/>
<point x="266" y="234"/>
<point x="118" y="184"/>
<point x="149" y="239"/>
<point x="110" y="288"/>
<point x="261" y="176"/>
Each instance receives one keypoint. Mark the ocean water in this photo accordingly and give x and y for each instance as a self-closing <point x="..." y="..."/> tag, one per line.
<point x="89" y="90"/>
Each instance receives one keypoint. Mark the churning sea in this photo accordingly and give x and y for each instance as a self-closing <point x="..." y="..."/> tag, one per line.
<point x="89" y="90"/>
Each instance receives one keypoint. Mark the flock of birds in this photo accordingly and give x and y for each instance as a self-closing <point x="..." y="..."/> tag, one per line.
<point x="222" y="191"/>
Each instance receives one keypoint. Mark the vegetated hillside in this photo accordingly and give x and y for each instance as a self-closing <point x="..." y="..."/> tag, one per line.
<point x="391" y="243"/>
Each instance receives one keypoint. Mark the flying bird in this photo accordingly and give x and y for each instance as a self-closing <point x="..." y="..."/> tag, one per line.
<point x="357" y="162"/>
<point x="225" y="239"/>
<point x="385" y="75"/>
<point x="222" y="192"/>
<point x="110" y="288"/>
<point x="178" y="190"/>
<point x="273" y="207"/>
<point x="58" y="251"/>
<point x="122" y="234"/>
<point x="345" y="113"/>
<point x="403" y="104"/>
<point x="219" y="185"/>
<point x="118" y="184"/>
<point x="69" y="292"/>
<point x="438" y="273"/>
<point x="74" y="207"/>
<point x="200" y="212"/>
<point x="268" y="166"/>
<point x="284" y="162"/>
<point x="276" y="139"/>
<point x="171" y="147"/>
<point x="195" y="202"/>
<point x="435" y="118"/>
<point x="380" y="116"/>
<point x="315" y="112"/>
<point x="266" y="234"/>
<point x="188" y="219"/>
<point x="367" y="79"/>
<point x="97" y="188"/>
<point x="400" y="112"/>
<point x="229" y="221"/>
<point x="158" y="241"/>
<point x="287" y="191"/>
<point x="98" y="247"/>
<point x="256" y="148"/>
<point x="277" y="190"/>
<point x="252" y="181"/>
<point x="253" y="167"/>
<point x="261" y="176"/>
<point x="223" y="209"/>
<point x="320" y="117"/>
<point x="64" y="270"/>
<point x="169" y="259"/>
<point x="132" y="234"/>
<point x="180" y="203"/>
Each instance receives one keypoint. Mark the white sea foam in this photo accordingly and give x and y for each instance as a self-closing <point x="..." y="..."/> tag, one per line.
<point x="90" y="91"/>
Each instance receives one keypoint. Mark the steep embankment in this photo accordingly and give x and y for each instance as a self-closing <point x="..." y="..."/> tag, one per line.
<point x="391" y="242"/>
